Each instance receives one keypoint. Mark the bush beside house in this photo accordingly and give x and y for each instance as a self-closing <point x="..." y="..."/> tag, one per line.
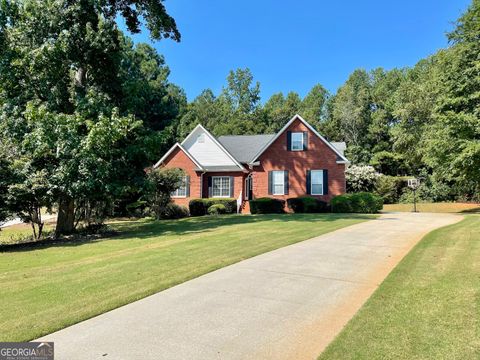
<point x="307" y="204"/>
<point x="217" y="209"/>
<point x="362" y="202"/>
<point x="267" y="205"/>
<point x="200" y="207"/>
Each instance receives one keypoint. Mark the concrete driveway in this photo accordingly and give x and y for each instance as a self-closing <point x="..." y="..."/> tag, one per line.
<point x="285" y="304"/>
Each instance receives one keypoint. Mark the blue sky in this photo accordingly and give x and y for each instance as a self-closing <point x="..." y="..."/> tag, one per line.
<point x="296" y="44"/>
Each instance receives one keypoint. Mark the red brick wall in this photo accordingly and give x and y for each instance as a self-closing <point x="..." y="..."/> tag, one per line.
<point x="318" y="156"/>
<point x="178" y="159"/>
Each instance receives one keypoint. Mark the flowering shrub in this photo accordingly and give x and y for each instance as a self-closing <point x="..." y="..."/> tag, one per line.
<point x="361" y="178"/>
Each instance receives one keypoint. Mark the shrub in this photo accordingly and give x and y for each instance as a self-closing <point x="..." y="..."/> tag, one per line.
<point x="174" y="211"/>
<point x="307" y="205"/>
<point x="159" y="186"/>
<point x="199" y="207"/>
<point x="217" y="209"/>
<point x="361" y="178"/>
<point x="267" y="205"/>
<point x="362" y="202"/>
<point x="390" y="188"/>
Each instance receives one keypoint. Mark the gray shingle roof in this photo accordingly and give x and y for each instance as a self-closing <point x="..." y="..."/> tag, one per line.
<point x="244" y="147"/>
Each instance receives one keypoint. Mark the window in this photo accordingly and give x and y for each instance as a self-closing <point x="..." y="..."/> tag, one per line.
<point x="201" y="138"/>
<point x="297" y="141"/>
<point x="316" y="177"/>
<point x="278" y="182"/>
<point x="221" y="186"/>
<point x="182" y="190"/>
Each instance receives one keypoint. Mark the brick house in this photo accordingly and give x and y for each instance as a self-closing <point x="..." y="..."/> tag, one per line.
<point x="296" y="161"/>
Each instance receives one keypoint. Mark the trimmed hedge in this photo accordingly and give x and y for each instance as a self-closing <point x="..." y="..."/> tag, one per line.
<point x="199" y="207"/>
<point x="362" y="202"/>
<point x="267" y="205"/>
<point x="217" y="209"/>
<point x="174" y="211"/>
<point x="305" y="204"/>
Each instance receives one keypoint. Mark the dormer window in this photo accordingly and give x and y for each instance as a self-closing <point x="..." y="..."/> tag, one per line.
<point x="297" y="141"/>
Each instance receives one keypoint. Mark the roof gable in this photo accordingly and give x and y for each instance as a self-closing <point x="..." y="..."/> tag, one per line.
<point x="207" y="150"/>
<point x="181" y="148"/>
<point x="341" y="157"/>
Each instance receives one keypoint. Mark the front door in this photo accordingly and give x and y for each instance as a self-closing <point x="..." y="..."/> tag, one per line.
<point x="249" y="188"/>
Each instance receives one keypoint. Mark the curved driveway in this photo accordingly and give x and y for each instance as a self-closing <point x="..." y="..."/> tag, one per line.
<point x="285" y="304"/>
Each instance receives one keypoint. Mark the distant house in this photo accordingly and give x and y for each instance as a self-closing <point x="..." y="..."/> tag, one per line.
<point x="296" y="161"/>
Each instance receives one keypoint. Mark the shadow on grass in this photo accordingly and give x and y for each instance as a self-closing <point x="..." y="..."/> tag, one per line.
<point x="471" y="211"/>
<point x="145" y="228"/>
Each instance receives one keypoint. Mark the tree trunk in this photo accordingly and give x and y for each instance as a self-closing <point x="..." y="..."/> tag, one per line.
<point x="66" y="216"/>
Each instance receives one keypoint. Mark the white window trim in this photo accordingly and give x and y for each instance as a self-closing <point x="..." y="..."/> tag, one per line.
<point x="283" y="182"/>
<point x="291" y="141"/>
<point x="229" y="186"/>
<point x="175" y="195"/>
<point x="311" y="183"/>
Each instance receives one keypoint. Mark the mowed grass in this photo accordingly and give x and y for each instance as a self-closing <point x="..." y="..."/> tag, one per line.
<point x="48" y="288"/>
<point x="21" y="233"/>
<point x="427" y="308"/>
<point x="441" y="207"/>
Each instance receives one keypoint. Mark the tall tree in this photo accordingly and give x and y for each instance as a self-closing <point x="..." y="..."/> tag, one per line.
<point x="241" y="93"/>
<point x="64" y="57"/>
<point x="453" y="142"/>
<point x="314" y="105"/>
<point x="352" y="114"/>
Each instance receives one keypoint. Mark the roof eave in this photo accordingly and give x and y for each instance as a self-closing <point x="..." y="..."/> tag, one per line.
<point x="167" y="154"/>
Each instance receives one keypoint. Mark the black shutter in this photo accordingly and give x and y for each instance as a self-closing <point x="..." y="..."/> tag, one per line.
<point x="289" y="141"/>
<point x="305" y="140"/>
<point x="270" y="183"/>
<point x="325" y="182"/>
<point x="285" y="182"/>
<point x="232" y="181"/>
<point x="187" y="186"/>
<point x="209" y="186"/>
<point x="309" y="182"/>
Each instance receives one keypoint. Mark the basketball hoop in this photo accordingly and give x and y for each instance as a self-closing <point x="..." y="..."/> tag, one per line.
<point x="414" y="184"/>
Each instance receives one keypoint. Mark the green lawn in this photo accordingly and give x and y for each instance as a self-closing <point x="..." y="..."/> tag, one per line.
<point x="427" y="308"/>
<point x="49" y="287"/>
<point x="440" y="207"/>
<point x="20" y="233"/>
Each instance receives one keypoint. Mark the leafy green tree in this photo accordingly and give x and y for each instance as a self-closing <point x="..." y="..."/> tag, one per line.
<point x="28" y="196"/>
<point x="6" y="179"/>
<point x="235" y="111"/>
<point x="453" y="141"/>
<point x="161" y="183"/>
<point x="241" y="93"/>
<point x="279" y="109"/>
<point x="145" y="89"/>
<point x="352" y="108"/>
<point x="384" y="86"/>
<point x="390" y="163"/>
<point x="314" y="105"/>
<point x="414" y="101"/>
<point x="65" y="58"/>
